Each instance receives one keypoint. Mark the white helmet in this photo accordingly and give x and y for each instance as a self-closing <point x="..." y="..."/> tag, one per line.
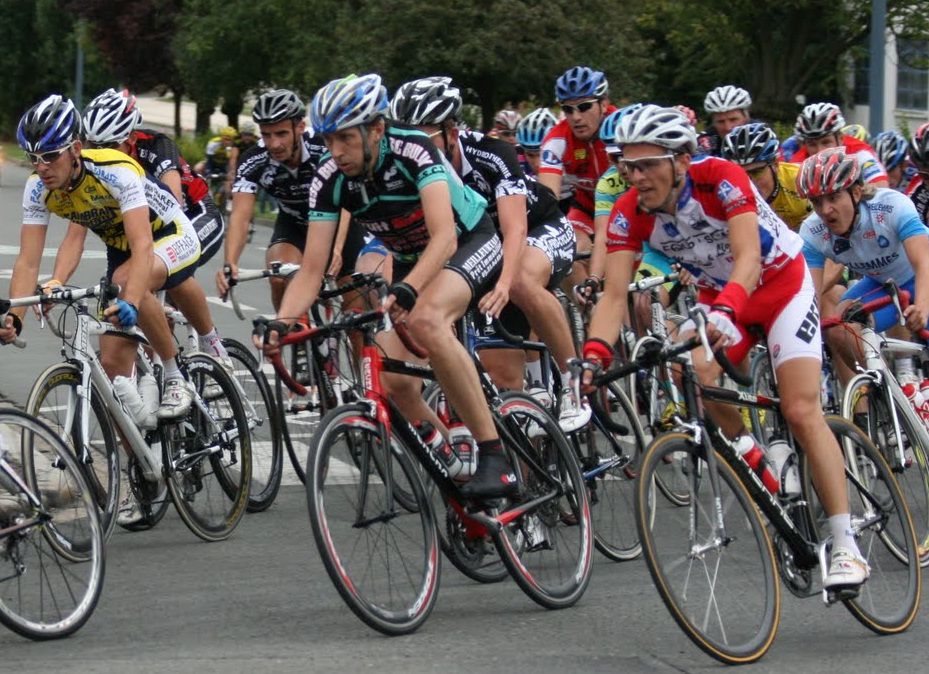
<point x="111" y="117"/>
<point x="819" y="119"/>
<point x="426" y="101"/>
<point x="726" y="98"/>
<point x="666" y="127"/>
<point x="351" y="101"/>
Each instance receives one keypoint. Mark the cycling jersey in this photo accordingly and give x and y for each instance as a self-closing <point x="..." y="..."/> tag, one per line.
<point x="918" y="193"/>
<point x="871" y="168"/>
<point x="610" y="185"/>
<point x="874" y="246"/>
<point x="786" y="202"/>
<point x="158" y="154"/>
<point x="387" y="204"/>
<point x="697" y="235"/>
<point x="112" y="183"/>
<point x="581" y="163"/>
<point x="216" y="154"/>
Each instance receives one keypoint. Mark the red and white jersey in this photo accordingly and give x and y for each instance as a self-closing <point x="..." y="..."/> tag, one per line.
<point x="581" y="163"/>
<point x="697" y="234"/>
<point x="872" y="170"/>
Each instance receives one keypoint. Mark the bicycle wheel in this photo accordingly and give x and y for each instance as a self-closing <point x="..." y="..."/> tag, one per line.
<point x="889" y="601"/>
<point x="474" y="555"/>
<point x="299" y="416"/>
<point x="720" y="587"/>
<point x="383" y="559"/>
<point x="547" y="547"/>
<point x="54" y="399"/>
<point x="575" y="319"/>
<point x="765" y="424"/>
<point x="264" y="423"/>
<point x="912" y="472"/>
<point x="207" y="454"/>
<point x="153" y="497"/>
<point x="652" y="391"/>
<point x="51" y="553"/>
<point x="613" y="446"/>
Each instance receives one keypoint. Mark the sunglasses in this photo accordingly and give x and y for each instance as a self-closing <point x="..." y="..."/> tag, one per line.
<point x="645" y="164"/>
<point x="505" y="133"/>
<point x="583" y="106"/>
<point x="36" y="158"/>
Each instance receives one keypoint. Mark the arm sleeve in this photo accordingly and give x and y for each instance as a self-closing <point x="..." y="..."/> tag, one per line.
<point x="552" y="157"/>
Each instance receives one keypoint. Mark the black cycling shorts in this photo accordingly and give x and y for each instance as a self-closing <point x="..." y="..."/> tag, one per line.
<point x="557" y="240"/>
<point x="288" y="229"/>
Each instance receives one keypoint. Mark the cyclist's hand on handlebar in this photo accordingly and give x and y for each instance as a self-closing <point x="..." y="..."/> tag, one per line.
<point x="335" y="264"/>
<point x="122" y="313"/>
<point x="493" y="302"/>
<point x="41" y="310"/>
<point x="721" y="330"/>
<point x="915" y="318"/>
<point x="587" y="291"/>
<point x="684" y="277"/>
<point x="597" y="357"/>
<point x="230" y="270"/>
<point x="267" y="337"/>
<point x="11" y="327"/>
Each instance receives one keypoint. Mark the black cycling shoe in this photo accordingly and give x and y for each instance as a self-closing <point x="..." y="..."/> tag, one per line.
<point x="494" y="478"/>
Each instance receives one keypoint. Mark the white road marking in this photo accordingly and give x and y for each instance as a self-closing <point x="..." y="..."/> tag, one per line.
<point x="227" y="305"/>
<point x="53" y="252"/>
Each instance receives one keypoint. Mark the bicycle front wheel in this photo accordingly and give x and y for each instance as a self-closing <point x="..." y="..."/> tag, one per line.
<point x="548" y="547"/>
<point x="382" y="558"/>
<point x="51" y="553"/>
<point x="207" y="454"/>
<point x="720" y="585"/>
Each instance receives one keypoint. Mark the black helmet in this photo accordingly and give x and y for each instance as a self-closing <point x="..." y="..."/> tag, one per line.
<point x="430" y="100"/>
<point x="276" y="106"/>
<point x="49" y="125"/>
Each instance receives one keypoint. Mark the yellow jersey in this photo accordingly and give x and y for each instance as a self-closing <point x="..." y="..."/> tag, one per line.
<point x="111" y="183"/>
<point x="786" y="202"/>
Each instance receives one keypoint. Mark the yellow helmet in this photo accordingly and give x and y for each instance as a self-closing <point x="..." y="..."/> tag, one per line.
<point x="228" y="132"/>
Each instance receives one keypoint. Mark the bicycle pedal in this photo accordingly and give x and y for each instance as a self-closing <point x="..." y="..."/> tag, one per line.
<point x="837" y="594"/>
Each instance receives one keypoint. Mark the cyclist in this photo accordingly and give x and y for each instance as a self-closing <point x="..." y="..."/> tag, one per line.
<point x="728" y="108"/>
<point x="284" y="165"/>
<point x="857" y="131"/>
<point x="216" y="156"/>
<point x="819" y="126"/>
<point x="506" y="122"/>
<point x="891" y="147"/>
<point x="750" y="271"/>
<point x="875" y="232"/>
<point x="530" y="132"/>
<point x="918" y="189"/>
<point x="755" y="148"/>
<point x="573" y="156"/>
<point x="112" y="120"/>
<point x="446" y="253"/>
<point x="538" y="242"/>
<point x="150" y="242"/>
<point x="248" y="137"/>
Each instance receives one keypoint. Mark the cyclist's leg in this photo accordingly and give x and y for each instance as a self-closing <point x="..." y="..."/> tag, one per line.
<point x="506" y="367"/>
<point x="583" y="224"/>
<point x="287" y="243"/>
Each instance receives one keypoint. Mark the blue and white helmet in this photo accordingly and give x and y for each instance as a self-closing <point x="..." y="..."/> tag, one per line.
<point x="608" y="126"/>
<point x="347" y="102"/>
<point x="581" y="82"/>
<point x="750" y="144"/>
<point x="890" y="147"/>
<point x="532" y="129"/>
<point x="49" y="125"/>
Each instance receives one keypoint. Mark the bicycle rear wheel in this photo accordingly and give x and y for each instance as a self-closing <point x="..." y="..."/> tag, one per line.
<point x="878" y="424"/>
<point x="547" y="547"/>
<point x="383" y="559"/>
<point x="264" y="423"/>
<point x="207" y="454"/>
<point x="889" y="601"/>
<point x="51" y="554"/>
<point x="720" y="587"/>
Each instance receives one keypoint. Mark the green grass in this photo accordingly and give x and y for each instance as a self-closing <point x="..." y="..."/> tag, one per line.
<point x="11" y="152"/>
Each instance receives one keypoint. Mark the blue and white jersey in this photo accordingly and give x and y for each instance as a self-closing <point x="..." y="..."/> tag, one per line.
<point x="874" y="246"/>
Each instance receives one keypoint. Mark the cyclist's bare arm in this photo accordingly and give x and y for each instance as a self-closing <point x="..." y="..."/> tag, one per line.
<point x="552" y="181"/>
<point x="172" y="179"/>
<point x="70" y="252"/>
<point x="745" y="247"/>
<point x="335" y="266"/>
<point x="243" y="207"/>
<point x="26" y="267"/>
<point x="142" y="254"/>
<point x="304" y="286"/>
<point x="832" y="274"/>
<point x="610" y="311"/>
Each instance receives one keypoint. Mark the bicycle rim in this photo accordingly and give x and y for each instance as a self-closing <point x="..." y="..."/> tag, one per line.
<point x="383" y="559"/>
<point x="724" y="594"/>
<point x="51" y="573"/>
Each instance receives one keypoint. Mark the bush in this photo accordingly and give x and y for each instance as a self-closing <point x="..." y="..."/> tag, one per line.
<point x="193" y="148"/>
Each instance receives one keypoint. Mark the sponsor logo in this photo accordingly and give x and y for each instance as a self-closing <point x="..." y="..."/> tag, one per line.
<point x="670" y="229"/>
<point x="879" y="218"/>
<point x="776" y="350"/>
<point x="882" y="241"/>
<point x="869" y="235"/>
<point x="839" y="246"/>
<point x="810" y="325"/>
<point x="619" y="224"/>
<point x="580" y="154"/>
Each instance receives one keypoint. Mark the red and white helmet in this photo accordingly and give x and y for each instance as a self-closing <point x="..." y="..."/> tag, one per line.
<point x="819" y="119"/>
<point x="111" y="117"/>
<point x="828" y="172"/>
<point x="919" y="146"/>
<point x="507" y="120"/>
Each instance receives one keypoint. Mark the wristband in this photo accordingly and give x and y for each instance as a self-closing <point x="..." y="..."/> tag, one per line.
<point x="17" y="324"/>
<point x="599" y="350"/>
<point x="405" y="295"/>
<point x="734" y="297"/>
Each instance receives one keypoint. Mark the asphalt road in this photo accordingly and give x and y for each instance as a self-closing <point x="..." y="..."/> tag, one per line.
<point x="262" y="602"/>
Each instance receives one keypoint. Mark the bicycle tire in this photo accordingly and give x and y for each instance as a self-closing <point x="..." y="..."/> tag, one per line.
<point x="913" y="480"/>
<point x="889" y="601"/>
<point x="575" y="320"/>
<point x="267" y="451"/>
<point x="763" y="421"/>
<point x="101" y="464"/>
<point x="548" y="548"/>
<point x="411" y="547"/>
<point x="611" y="490"/>
<point x="476" y="558"/>
<point x="70" y="541"/>
<point x="753" y="605"/>
<point x="210" y="511"/>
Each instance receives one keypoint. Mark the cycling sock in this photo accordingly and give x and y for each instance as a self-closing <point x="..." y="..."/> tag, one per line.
<point x="172" y="371"/>
<point x="842" y="535"/>
<point x="565" y="379"/>
<point x="903" y="367"/>
<point x="489" y="447"/>
<point x="534" y="371"/>
<point x="212" y="344"/>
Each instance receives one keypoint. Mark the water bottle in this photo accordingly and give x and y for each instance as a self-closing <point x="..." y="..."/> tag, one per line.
<point x="464" y="447"/>
<point x="915" y="396"/>
<point x="148" y="389"/>
<point x="436" y="443"/>
<point x="748" y="449"/>
<point x="783" y="460"/>
<point x="128" y="395"/>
